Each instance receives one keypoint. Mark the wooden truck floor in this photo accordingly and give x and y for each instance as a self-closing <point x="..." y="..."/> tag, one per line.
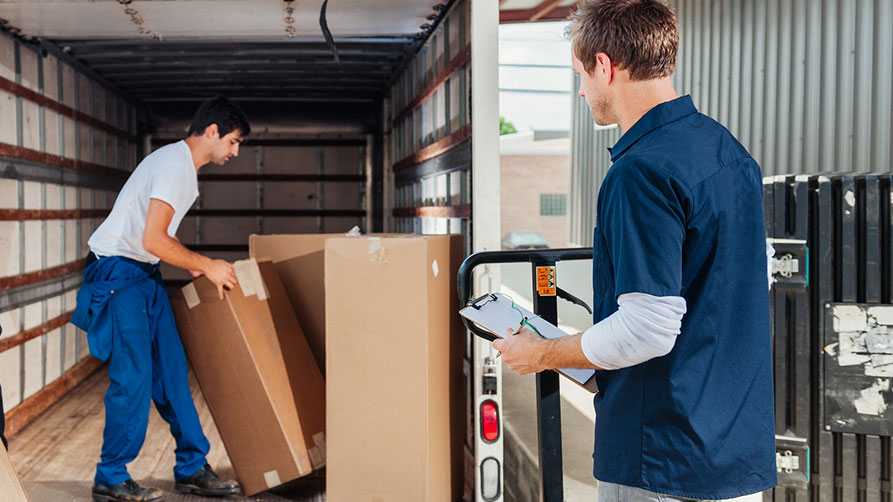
<point x="56" y="455"/>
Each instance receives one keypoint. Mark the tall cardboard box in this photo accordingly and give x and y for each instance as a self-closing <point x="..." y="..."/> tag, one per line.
<point x="394" y="346"/>
<point x="10" y="487"/>
<point x="300" y="262"/>
<point x="257" y="374"/>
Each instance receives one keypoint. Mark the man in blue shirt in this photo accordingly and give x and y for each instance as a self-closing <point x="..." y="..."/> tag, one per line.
<point x="681" y="340"/>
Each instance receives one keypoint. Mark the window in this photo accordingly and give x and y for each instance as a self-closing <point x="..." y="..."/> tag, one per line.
<point x="553" y="204"/>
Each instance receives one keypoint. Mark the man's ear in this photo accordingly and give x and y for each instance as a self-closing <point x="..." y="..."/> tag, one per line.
<point x="605" y="67"/>
<point x="211" y="131"/>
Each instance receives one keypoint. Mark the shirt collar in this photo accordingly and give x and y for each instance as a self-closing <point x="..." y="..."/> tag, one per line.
<point x="661" y="114"/>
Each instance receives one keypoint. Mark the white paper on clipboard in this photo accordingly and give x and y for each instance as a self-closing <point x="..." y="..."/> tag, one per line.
<point x="500" y="315"/>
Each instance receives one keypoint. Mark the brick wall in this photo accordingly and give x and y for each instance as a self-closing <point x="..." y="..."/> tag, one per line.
<point x="523" y="179"/>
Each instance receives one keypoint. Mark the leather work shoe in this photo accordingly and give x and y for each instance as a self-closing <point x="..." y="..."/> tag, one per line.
<point x="205" y="483"/>
<point x="128" y="491"/>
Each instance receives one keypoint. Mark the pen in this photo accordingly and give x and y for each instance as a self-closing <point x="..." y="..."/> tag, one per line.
<point x="517" y="330"/>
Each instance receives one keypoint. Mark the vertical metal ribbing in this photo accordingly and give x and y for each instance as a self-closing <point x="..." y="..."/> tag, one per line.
<point x="78" y="242"/>
<point x="21" y="204"/>
<point x="60" y="81"/>
<point x="320" y="186"/>
<point x="447" y="113"/>
<point x="259" y="165"/>
<point x="104" y="96"/>
<point x="77" y="124"/>
<point x="463" y="97"/>
<point x="22" y="251"/>
<point x="448" y="197"/>
<point x="849" y="249"/>
<point x="822" y="278"/>
<point x="91" y="111"/>
<point x="41" y="117"/>
<point x="63" y="299"/>
<point x="870" y="210"/>
<point x="801" y="341"/>
<point x="20" y="132"/>
<point x="44" y="304"/>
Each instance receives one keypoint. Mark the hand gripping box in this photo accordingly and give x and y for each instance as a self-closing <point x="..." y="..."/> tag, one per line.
<point x="256" y="371"/>
<point x="394" y="352"/>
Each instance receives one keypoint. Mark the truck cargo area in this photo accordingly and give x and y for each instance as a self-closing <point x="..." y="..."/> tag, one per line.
<point x="360" y="116"/>
<point x="53" y="455"/>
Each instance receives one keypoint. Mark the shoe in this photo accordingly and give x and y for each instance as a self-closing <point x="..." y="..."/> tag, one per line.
<point x="205" y="483"/>
<point x="128" y="491"/>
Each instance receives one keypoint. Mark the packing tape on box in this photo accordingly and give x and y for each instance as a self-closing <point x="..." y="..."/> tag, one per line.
<point x="377" y="252"/>
<point x="190" y="295"/>
<point x="272" y="479"/>
<point x="318" y="452"/>
<point x="250" y="280"/>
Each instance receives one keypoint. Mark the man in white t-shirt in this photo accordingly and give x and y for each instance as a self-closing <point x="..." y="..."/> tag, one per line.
<point x="127" y="315"/>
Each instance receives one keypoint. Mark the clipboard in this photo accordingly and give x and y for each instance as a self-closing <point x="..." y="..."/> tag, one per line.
<point x="497" y="314"/>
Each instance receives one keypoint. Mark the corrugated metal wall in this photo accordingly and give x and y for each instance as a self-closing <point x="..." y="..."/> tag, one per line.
<point x="431" y="131"/>
<point x="805" y="85"/>
<point x="67" y="144"/>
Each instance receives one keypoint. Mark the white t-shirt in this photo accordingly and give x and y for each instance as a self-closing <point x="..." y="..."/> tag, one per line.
<point x="167" y="174"/>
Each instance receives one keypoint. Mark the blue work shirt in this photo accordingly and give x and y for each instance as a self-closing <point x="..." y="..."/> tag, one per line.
<point x="680" y="213"/>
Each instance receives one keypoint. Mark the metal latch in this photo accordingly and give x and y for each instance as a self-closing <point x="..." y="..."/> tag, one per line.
<point x="792" y="461"/>
<point x="787" y="462"/>
<point x="790" y="265"/>
<point x="786" y="266"/>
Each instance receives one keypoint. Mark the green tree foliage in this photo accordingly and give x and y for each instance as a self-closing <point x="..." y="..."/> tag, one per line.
<point x="506" y="127"/>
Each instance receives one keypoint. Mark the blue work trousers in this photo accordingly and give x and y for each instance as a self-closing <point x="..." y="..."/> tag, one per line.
<point x="146" y="359"/>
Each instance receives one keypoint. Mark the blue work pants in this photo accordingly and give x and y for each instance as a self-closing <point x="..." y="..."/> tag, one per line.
<point x="146" y="360"/>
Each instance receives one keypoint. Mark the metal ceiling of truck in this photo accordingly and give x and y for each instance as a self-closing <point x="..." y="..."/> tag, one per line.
<point x="160" y="51"/>
<point x="270" y="55"/>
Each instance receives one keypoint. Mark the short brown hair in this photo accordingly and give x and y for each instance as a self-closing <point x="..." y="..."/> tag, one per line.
<point x="638" y="35"/>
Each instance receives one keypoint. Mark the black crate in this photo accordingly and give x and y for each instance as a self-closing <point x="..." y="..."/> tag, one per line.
<point x="834" y="414"/>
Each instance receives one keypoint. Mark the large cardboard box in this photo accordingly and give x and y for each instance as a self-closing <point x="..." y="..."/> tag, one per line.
<point x="257" y="374"/>
<point x="10" y="486"/>
<point x="394" y="346"/>
<point x="300" y="262"/>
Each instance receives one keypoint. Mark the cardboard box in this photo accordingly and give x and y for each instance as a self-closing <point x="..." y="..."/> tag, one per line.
<point x="10" y="486"/>
<point x="257" y="374"/>
<point x="394" y="356"/>
<point x="300" y="262"/>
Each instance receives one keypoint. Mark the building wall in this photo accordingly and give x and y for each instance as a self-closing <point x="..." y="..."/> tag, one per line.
<point x="805" y="85"/>
<point x="523" y="178"/>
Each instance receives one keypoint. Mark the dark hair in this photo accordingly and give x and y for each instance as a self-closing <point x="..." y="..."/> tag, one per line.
<point x="223" y="112"/>
<point x="638" y="35"/>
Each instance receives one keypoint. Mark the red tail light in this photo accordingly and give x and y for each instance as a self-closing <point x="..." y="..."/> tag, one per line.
<point x="489" y="421"/>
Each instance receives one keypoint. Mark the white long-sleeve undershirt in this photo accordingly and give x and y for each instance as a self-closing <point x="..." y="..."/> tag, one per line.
<point x="644" y="327"/>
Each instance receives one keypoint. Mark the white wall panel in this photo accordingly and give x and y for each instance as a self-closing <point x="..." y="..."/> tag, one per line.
<point x="8" y="112"/>
<point x="10" y="376"/>
<point x="7" y="58"/>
